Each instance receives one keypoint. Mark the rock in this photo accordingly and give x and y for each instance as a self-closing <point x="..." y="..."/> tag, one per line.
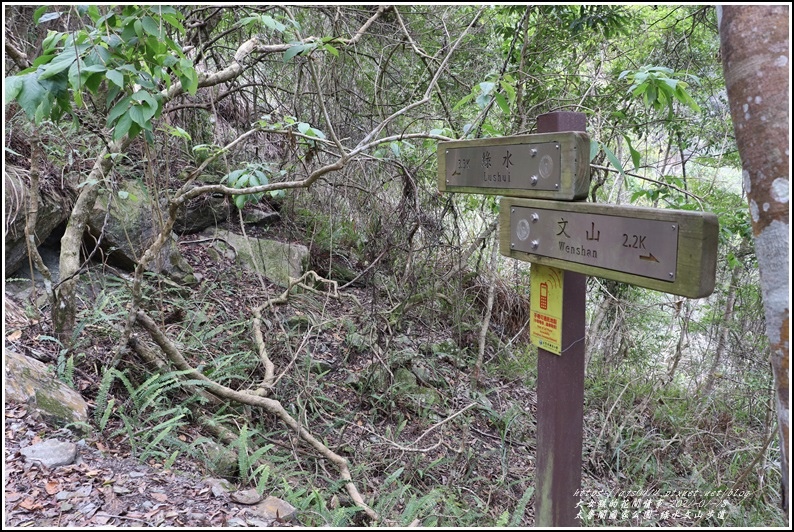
<point x="275" y="260"/>
<point x="219" y="460"/>
<point x="248" y="497"/>
<point x="404" y="379"/>
<point x="128" y="225"/>
<point x="425" y="396"/>
<point x="53" y="210"/>
<point x="259" y="217"/>
<point x="30" y="381"/>
<point x="20" y="286"/>
<point x="218" y="486"/>
<point x="51" y="453"/>
<point x="201" y="212"/>
<point x="275" y="508"/>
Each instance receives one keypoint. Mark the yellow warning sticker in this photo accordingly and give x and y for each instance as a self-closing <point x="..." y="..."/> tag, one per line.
<point x="545" y="329"/>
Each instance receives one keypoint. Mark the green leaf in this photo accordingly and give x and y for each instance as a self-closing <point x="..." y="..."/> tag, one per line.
<point x="92" y="82"/>
<point x="138" y="115"/>
<point x="92" y="68"/>
<point x="636" y="90"/>
<point x="37" y="14"/>
<point x="144" y="97"/>
<point x="119" y="109"/>
<point x="59" y="64"/>
<point x="122" y="127"/>
<point x="134" y="130"/>
<point x="42" y="60"/>
<point x="509" y="90"/>
<point x="31" y="94"/>
<point x="137" y="25"/>
<point x="173" y="20"/>
<point x="261" y="177"/>
<point x="189" y="78"/>
<point x="273" y="24"/>
<point x="51" y="41"/>
<point x="613" y="159"/>
<point x="331" y="49"/>
<point x="43" y="110"/>
<point x="13" y="86"/>
<point x="292" y="51"/>
<point x="93" y="13"/>
<point x="231" y="177"/>
<point x="486" y="87"/>
<point x="116" y="77"/>
<point x="501" y="101"/>
<point x="466" y="99"/>
<point x="151" y="27"/>
<point x="240" y="200"/>
<point x="638" y="194"/>
<point x="635" y="155"/>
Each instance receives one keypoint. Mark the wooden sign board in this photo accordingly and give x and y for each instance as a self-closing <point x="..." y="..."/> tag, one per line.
<point x="543" y="165"/>
<point x="667" y="250"/>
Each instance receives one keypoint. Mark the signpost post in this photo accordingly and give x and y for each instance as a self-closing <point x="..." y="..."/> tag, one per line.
<point x="560" y="389"/>
<point x="566" y="240"/>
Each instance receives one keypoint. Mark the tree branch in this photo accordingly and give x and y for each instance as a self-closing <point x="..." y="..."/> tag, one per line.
<point x="270" y="405"/>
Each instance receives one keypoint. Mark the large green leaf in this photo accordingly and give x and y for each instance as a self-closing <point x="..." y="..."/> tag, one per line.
<point x="119" y="109"/>
<point x="59" y="64"/>
<point x="13" y="86"/>
<point x="122" y="127"/>
<point x="635" y="155"/>
<point x="613" y="159"/>
<point x="151" y="27"/>
<point x="30" y="94"/>
<point x="292" y="51"/>
<point x="138" y="114"/>
<point x="501" y="101"/>
<point x="116" y="77"/>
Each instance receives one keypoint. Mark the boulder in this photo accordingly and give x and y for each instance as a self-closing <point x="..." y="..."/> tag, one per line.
<point x="128" y="222"/>
<point x="30" y="381"/>
<point x="275" y="260"/>
<point x="53" y="210"/>
<point x="201" y="212"/>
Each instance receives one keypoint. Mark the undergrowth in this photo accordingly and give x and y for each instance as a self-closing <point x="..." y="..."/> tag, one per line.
<point x="396" y="398"/>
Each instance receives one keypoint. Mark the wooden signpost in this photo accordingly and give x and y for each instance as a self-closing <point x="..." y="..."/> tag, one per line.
<point x="566" y="240"/>
<point x="663" y="249"/>
<point x="544" y="165"/>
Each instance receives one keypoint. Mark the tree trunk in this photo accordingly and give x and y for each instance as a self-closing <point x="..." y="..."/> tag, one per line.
<point x="724" y="331"/>
<point x="64" y="311"/>
<point x="755" y="55"/>
<point x="685" y="315"/>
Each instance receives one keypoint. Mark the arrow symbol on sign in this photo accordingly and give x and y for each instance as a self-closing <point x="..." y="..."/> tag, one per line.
<point x="649" y="257"/>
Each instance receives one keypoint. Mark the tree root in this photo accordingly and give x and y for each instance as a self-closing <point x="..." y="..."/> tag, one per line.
<point x="270" y="405"/>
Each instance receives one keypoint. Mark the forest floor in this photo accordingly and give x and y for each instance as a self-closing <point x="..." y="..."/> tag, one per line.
<point x="467" y="459"/>
<point x="107" y="486"/>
